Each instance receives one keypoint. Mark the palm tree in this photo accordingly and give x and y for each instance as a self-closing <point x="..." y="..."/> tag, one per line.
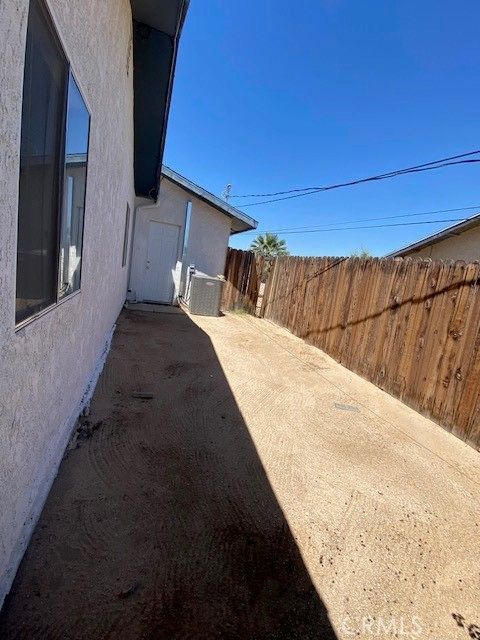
<point x="269" y="245"/>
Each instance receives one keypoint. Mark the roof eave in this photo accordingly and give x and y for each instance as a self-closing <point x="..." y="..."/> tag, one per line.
<point x="154" y="60"/>
<point x="435" y="238"/>
<point x="167" y="17"/>
<point x="241" y="219"/>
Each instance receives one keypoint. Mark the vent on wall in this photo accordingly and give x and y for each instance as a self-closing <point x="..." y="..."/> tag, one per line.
<point x="205" y="295"/>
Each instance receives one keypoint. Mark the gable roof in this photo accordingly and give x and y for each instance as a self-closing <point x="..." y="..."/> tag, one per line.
<point x="240" y="221"/>
<point x="434" y="238"/>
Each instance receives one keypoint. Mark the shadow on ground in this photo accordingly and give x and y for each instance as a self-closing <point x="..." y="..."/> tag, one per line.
<point x="162" y="522"/>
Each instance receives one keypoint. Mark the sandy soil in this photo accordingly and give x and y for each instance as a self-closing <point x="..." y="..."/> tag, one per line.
<point x="233" y="482"/>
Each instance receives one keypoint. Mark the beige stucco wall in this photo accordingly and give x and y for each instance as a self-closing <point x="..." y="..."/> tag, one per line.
<point x="465" y="246"/>
<point x="207" y="240"/>
<point x="48" y="367"/>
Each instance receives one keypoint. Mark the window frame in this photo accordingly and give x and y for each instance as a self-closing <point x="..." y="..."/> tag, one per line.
<point x="60" y="196"/>
<point x="72" y="75"/>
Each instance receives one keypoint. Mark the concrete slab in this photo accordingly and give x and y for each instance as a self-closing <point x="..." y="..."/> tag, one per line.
<point x="262" y="492"/>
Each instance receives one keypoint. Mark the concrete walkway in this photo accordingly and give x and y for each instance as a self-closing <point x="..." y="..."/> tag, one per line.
<point x="233" y="482"/>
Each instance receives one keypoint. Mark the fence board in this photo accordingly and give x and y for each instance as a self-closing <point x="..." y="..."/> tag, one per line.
<point x="242" y="280"/>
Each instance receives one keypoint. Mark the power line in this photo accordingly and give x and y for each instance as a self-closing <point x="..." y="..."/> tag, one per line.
<point x="298" y="193"/>
<point x="377" y="226"/>
<point x="418" y="166"/>
<point x="400" y="215"/>
<point x="355" y="182"/>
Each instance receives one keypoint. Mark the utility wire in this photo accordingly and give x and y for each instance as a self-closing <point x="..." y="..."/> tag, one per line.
<point x="418" y="166"/>
<point x="355" y="182"/>
<point x="400" y="215"/>
<point x="298" y="193"/>
<point x="378" y="226"/>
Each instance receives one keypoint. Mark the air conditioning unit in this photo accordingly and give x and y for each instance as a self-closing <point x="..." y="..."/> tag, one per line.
<point x="205" y="295"/>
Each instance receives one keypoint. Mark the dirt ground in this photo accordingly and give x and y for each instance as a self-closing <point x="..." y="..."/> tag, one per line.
<point x="233" y="482"/>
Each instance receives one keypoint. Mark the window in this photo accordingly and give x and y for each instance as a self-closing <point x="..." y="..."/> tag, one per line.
<point x="76" y="157"/>
<point x="125" y="236"/>
<point x="53" y="166"/>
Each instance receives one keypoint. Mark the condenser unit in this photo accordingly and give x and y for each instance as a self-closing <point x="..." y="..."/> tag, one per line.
<point x="205" y="295"/>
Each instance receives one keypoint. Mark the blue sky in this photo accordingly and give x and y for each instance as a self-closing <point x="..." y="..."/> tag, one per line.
<point x="276" y="95"/>
<point x="78" y="121"/>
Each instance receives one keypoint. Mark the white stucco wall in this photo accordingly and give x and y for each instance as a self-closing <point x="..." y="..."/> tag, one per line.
<point x="48" y="368"/>
<point x="465" y="246"/>
<point x="207" y="240"/>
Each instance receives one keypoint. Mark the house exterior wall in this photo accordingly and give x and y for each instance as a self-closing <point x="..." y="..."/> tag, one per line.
<point x="207" y="239"/>
<point x="465" y="246"/>
<point x="49" y="367"/>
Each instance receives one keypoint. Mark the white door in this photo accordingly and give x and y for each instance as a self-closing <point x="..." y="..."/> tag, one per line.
<point x="160" y="263"/>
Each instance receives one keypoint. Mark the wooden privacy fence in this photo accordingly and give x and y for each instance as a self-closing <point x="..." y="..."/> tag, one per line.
<point x="410" y="326"/>
<point x="242" y="275"/>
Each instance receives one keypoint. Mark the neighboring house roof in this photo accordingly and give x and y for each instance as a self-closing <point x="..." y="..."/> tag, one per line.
<point x="449" y="232"/>
<point x="240" y="221"/>
<point x="156" y="31"/>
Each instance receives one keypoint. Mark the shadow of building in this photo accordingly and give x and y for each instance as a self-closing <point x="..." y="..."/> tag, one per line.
<point x="162" y="522"/>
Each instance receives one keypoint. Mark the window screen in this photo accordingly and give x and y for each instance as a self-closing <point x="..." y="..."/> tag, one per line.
<point x="41" y="160"/>
<point x="76" y="161"/>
